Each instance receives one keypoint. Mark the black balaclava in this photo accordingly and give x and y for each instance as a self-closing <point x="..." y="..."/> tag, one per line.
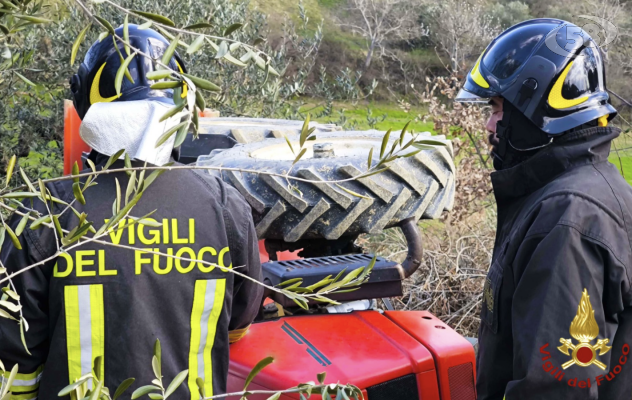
<point x="519" y="138"/>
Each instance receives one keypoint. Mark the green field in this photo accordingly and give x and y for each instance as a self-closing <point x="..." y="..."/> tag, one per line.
<point x="624" y="165"/>
<point x="385" y="115"/>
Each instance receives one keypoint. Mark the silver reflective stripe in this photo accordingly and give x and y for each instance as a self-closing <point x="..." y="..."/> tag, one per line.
<point x="31" y="382"/>
<point x="85" y="331"/>
<point x="209" y="299"/>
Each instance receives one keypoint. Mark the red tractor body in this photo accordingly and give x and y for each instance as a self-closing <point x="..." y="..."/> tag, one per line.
<point x="392" y="355"/>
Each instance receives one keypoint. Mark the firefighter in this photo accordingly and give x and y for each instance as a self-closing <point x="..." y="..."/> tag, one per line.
<point x="556" y="320"/>
<point x="114" y="298"/>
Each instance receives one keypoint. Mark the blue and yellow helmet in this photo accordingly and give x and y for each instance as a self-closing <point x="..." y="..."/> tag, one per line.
<point x="94" y="82"/>
<point x="551" y="70"/>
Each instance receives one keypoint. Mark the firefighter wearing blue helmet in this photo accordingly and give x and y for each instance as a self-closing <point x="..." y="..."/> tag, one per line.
<point x="108" y="301"/>
<point x="556" y="319"/>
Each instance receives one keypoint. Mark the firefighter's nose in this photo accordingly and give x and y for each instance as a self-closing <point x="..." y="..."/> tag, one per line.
<point x="493" y="119"/>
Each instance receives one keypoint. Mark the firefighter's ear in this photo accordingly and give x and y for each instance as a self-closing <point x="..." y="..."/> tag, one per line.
<point x="175" y="153"/>
<point x="75" y="84"/>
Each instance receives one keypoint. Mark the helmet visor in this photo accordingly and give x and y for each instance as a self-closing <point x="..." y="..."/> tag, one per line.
<point x="468" y="97"/>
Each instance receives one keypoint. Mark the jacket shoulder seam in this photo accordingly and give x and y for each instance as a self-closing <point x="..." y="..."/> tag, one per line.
<point x="208" y="185"/>
<point x="596" y="237"/>
<point x="590" y="199"/>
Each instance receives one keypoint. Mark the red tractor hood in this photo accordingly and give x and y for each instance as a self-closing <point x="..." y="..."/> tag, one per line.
<point x="368" y="349"/>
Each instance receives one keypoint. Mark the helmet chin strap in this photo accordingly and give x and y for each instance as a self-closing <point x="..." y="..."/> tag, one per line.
<point x="530" y="148"/>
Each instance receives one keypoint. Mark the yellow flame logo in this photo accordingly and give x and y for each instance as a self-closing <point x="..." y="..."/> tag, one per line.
<point x="584" y="329"/>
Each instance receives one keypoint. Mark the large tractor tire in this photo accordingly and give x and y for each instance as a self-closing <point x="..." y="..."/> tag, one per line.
<point x="421" y="186"/>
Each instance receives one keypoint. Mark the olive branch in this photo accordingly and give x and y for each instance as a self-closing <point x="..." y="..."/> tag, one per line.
<point x="159" y="390"/>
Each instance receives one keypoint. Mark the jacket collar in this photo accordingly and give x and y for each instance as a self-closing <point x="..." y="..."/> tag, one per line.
<point x="586" y="146"/>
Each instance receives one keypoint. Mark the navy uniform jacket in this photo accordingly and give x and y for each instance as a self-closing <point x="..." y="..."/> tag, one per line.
<point x="103" y="300"/>
<point x="556" y="320"/>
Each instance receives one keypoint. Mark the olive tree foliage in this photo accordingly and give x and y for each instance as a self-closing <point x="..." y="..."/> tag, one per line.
<point x="460" y="30"/>
<point x="31" y="113"/>
<point x="379" y="21"/>
<point x="28" y="109"/>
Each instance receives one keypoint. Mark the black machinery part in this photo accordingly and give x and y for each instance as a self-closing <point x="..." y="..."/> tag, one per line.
<point x="385" y="279"/>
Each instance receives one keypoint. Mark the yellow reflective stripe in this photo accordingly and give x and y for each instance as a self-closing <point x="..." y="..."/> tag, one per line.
<point x="98" y="324"/>
<point x="85" y="328"/>
<point x="236" y="334"/>
<point x="208" y="302"/>
<point x="196" y="315"/>
<point x="477" y="76"/>
<point x="24" y="396"/>
<point x="26" y="382"/>
<point x="218" y="304"/>
<point x="73" y="338"/>
<point x="603" y="120"/>
<point x="556" y="100"/>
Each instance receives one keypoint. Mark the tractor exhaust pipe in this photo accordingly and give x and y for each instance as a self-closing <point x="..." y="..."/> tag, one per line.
<point x="411" y="232"/>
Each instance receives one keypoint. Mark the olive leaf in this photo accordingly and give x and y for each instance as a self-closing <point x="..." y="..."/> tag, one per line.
<point x="118" y="80"/>
<point x="384" y="143"/>
<point x="166" y="57"/>
<point x="106" y="24"/>
<point x="24" y="79"/>
<point x="160" y="74"/>
<point x="351" y="192"/>
<point x="235" y="61"/>
<point x="33" y="19"/>
<point x="27" y="180"/>
<point x="163" y="138"/>
<point x="171" y="112"/>
<point x="127" y="74"/>
<point x="113" y="158"/>
<point x="10" y="306"/>
<point x="203" y="83"/>
<point x="166" y="85"/>
<point x="10" y="168"/>
<point x="13" y="237"/>
<point x="155" y="17"/>
<point x="176" y="382"/>
<point x="126" y="33"/>
<point x="76" y="190"/>
<point x="38" y="222"/>
<point x="222" y="50"/>
<point x="199" y="100"/>
<point x="77" y="43"/>
<point x="182" y="134"/>
<point x="304" y="131"/>
<point x="196" y="45"/>
<point x="403" y="133"/>
<point x="257" y="368"/>
<point x="76" y="234"/>
<point x="199" y="25"/>
<point x="123" y="387"/>
<point x="232" y="28"/>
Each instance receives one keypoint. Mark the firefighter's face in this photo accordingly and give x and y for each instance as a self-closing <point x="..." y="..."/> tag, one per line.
<point x="497" y="115"/>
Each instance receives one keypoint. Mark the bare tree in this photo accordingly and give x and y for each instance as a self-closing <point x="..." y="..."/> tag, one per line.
<point x="381" y="20"/>
<point x="461" y="29"/>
